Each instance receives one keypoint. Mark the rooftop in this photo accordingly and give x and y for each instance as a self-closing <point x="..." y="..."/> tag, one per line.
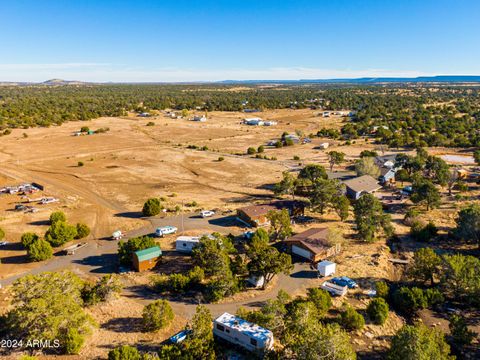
<point x="315" y="239"/>
<point x="364" y="183"/>
<point x="148" y="254"/>
<point x="252" y="330"/>
<point x="263" y="209"/>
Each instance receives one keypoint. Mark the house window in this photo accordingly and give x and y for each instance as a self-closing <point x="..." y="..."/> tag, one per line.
<point x="220" y="327"/>
<point x="253" y="342"/>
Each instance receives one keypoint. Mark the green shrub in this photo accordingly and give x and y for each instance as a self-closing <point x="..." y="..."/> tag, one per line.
<point x="422" y="232"/>
<point x="152" y="207"/>
<point x="80" y="164"/>
<point x="28" y="238"/>
<point x="296" y="157"/>
<point x="39" y="250"/>
<point x="261" y="149"/>
<point x="57" y="216"/>
<point x="251" y="151"/>
<point x="60" y="233"/>
<point x="409" y="300"/>
<point x="377" y="310"/>
<point x="124" y="352"/>
<point x="350" y="319"/>
<point x="382" y="289"/>
<point x="157" y="315"/>
<point x="221" y="158"/>
<point x="2" y="234"/>
<point x="321" y="299"/>
<point x="73" y="341"/>
<point x="434" y="297"/>
<point x="82" y="231"/>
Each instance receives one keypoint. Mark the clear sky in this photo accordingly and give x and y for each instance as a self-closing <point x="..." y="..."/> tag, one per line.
<point x="120" y="40"/>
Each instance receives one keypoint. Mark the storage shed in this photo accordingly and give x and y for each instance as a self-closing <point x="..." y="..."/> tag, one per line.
<point x="147" y="258"/>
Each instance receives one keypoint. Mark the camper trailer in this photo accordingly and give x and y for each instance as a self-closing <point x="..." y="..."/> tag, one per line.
<point x="240" y="332"/>
<point x="186" y="243"/>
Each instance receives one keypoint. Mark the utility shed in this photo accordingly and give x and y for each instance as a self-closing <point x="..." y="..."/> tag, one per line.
<point x="146" y="259"/>
<point x="240" y="332"/>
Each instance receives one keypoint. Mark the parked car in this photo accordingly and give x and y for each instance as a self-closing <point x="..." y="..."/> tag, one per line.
<point x="207" y="213"/>
<point x="165" y="230"/>
<point x="248" y="234"/>
<point x="179" y="337"/>
<point x="3" y="243"/>
<point x="20" y="207"/>
<point x="344" y="281"/>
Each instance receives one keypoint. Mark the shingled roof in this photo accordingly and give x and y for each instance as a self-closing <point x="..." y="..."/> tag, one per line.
<point x="315" y="239"/>
<point x="364" y="183"/>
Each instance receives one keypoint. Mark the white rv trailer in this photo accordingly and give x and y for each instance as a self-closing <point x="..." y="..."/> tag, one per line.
<point x="240" y="332"/>
<point x="186" y="243"/>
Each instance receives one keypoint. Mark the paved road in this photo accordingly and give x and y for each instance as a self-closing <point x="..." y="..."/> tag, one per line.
<point x="99" y="256"/>
<point x="301" y="278"/>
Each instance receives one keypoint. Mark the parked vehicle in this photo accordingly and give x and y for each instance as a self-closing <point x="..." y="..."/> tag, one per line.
<point x="334" y="289"/>
<point x="48" y="200"/>
<point x="165" y="230"/>
<point x="117" y="235"/>
<point x="207" y="213"/>
<point x="344" y="281"/>
<point x="248" y="234"/>
<point x="180" y="336"/>
<point x="71" y="249"/>
<point x="3" y="243"/>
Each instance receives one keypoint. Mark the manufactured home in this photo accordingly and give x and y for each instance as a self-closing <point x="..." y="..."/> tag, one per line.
<point x="186" y="243"/>
<point x="358" y="186"/>
<point x="312" y="245"/>
<point x="256" y="215"/>
<point x="240" y="332"/>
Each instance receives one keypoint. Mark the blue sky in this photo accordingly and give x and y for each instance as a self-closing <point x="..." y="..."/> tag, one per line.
<point x="118" y="40"/>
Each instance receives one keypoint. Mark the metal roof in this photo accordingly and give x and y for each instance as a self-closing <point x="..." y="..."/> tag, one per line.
<point x="252" y="330"/>
<point x="148" y="254"/>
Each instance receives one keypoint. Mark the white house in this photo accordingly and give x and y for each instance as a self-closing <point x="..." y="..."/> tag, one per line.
<point x="243" y="333"/>
<point x="326" y="268"/>
<point x="186" y="243"/>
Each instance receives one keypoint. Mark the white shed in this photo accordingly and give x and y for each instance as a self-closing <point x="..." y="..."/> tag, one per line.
<point x="326" y="268"/>
<point x="186" y="243"/>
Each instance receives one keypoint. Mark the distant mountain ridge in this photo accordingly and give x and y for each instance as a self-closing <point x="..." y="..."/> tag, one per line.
<point x="364" y="80"/>
<point x="371" y="80"/>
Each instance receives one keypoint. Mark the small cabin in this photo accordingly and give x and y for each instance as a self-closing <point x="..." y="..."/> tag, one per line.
<point x="146" y="259"/>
